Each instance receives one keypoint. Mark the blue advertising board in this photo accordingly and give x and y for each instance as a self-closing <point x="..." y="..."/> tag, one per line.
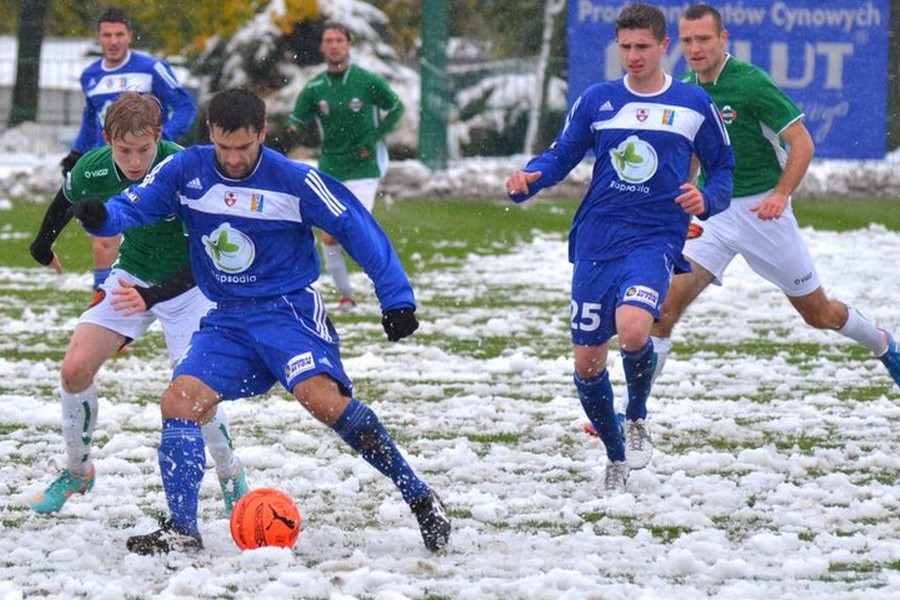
<point x="830" y="57"/>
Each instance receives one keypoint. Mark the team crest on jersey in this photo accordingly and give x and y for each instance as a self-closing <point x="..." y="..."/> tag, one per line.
<point x="231" y="250"/>
<point x="728" y="114"/>
<point x="642" y="114"/>
<point x="230" y="199"/>
<point x="324" y="108"/>
<point x="356" y="105"/>
<point x="642" y="294"/>
<point x="634" y="160"/>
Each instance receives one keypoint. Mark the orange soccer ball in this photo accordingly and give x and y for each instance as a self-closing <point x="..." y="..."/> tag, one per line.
<point x="265" y="517"/>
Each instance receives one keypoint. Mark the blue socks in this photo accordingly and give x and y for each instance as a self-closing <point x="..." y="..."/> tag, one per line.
<point x="360" y="428"/>
<point x="596" y="395"/>
<point x="182" y="460"/>
<point x="638" y="367"/>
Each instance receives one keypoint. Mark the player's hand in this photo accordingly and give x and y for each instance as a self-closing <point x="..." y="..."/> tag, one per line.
<point x="399" y="323"/>
<point x="691" y="200"/>
<point x="518" y="183"/>
<point x="771" y="208"/>
<point x="91" y="213"/>
<point x="69" y="161"/>
<point x="127" y="299"/>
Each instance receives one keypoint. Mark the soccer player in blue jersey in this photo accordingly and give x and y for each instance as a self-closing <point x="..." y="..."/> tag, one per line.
<point x="628" y="233"/>
<point x="103" y="81"/>
<point x="250" y="214"/>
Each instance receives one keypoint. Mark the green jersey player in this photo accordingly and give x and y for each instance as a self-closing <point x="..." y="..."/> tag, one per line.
<point x="150" y="281"/>
<point x="347" y="102"/>
<point x="772" y="151"/>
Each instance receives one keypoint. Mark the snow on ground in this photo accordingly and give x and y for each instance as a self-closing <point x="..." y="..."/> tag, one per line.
<point x="771" y="479"/>
<point x="774" y="476"/>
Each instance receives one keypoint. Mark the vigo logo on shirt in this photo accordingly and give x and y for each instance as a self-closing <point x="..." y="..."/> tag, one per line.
<point x="231" y="250"/>
<point x="634" y="160"/>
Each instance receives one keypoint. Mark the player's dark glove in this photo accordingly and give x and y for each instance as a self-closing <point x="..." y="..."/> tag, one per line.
<point x="91" y="212"/>
<point x="69" y="161"/>
<point x="399" y="323"/>
<point x="41" y="253"/>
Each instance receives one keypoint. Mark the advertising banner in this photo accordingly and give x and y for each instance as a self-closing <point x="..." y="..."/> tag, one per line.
<point x="830" y="57"/>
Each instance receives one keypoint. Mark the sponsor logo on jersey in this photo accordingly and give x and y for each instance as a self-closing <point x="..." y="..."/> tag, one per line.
<point x="257" y="202"/>
<point x="231" y="250"/>
<point x="134" y="198"/>
<point x="634" y="160"/>
<point x="119" y="83"/>
<point x="642" y="294"/>
<point x="194" y="184"/>
<point x="642" y="114"/>
<point x="230" y="199"/>
<point x="299" y="364"/>
<point x="668" y="116"/>
<point x="728" y="114"/>
<point x="97" y="173"/>
<point x="324" y="109"/>
<point x="606" y="106"/>
<point x="356" y="104"/>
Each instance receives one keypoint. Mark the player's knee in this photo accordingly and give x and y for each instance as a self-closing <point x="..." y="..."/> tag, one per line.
<point x="633" y="341"/>
<point x="179" y="403"/>
<point x="589" y="366"/>
<point x="74" y="378"/>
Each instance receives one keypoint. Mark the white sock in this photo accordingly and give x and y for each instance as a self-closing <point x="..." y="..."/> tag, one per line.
<point x="79" y="417"/>
<point x="218" y="442"/>
<point x="336" y="265"/>
<point x="860" y="330"/>
<point x="661" y="347"/>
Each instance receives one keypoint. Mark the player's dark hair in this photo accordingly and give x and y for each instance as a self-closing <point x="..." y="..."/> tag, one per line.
<point x="642" y="16"/>
<point x="137" y="114"/>
<point x="698" y="11"/>
<point x="113" y="14"/>
<point x="236" y="108"/>
<point x="337" y="26"/>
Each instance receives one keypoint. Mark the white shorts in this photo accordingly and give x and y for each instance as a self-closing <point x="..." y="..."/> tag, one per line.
<point x="179" y="316"/>
<point x="365" y="190"/>
<point x="775" y="250"/>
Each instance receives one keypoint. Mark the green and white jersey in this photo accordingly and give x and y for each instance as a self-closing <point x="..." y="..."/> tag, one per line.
<point x="347" y="108"/>
<point x="755" y="111"/>
<point x="152" y="253"/>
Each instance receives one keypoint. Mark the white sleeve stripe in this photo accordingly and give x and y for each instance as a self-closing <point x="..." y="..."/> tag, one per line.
<point x="318" y="186"/>
<point x="165" y="76"/>
<point x="720" y="124"/>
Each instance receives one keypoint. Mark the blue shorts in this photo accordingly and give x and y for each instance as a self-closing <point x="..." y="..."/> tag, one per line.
<point x="242" y="348"/>
<point x="640" y="279"/>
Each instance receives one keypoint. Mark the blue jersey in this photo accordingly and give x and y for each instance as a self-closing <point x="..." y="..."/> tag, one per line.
<point x="138" y="73"/>
<point x="252" y="238"/>
<point x="643" y="146"/>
